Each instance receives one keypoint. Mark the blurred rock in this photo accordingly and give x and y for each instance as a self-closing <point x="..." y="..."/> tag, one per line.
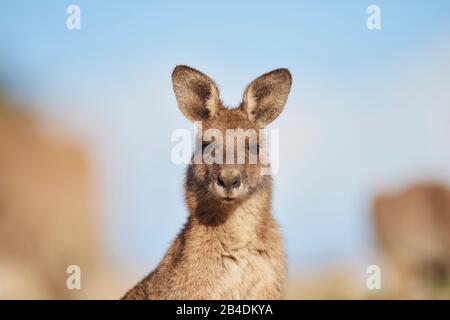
<point x="332" y="282"/>
<point x="45" y="209"/>
<point x="413" y="232"/>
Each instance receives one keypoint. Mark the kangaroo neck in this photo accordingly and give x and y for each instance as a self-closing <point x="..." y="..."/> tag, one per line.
<point x="233" y="224"/>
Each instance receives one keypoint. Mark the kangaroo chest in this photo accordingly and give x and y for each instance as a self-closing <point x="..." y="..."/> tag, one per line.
<point x="237" y="260"/>
<point x="245" y="273"/>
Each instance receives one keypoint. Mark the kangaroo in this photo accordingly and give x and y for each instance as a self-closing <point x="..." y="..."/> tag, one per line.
<point x="231" y="246"/>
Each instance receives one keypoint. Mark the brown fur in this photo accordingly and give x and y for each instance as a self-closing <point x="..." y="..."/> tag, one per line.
<point x="227" y="249"/>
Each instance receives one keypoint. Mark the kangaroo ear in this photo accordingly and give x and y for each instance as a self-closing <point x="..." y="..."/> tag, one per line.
<point x="265" y="97"/>
<point x="197" y="95"/>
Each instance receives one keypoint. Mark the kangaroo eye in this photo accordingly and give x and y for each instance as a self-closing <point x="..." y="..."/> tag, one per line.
<point x="254" y="148"/>
<point x="205" y="144"/>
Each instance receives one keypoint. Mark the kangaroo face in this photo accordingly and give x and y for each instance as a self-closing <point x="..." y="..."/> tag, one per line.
<point x="232" y="180"/>
<point x="231" y="144"/>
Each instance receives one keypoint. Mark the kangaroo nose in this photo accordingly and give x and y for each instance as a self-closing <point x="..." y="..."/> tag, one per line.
<point x="229" y="179"/>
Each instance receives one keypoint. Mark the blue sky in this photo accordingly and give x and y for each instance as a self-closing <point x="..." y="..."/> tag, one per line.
<point x="368" y="109"/>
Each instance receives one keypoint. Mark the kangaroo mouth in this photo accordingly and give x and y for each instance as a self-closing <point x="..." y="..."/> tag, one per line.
<point x="227" y="199"/>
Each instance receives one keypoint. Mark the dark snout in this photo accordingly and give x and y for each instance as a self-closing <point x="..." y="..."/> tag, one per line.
<point x="229" y="179"/>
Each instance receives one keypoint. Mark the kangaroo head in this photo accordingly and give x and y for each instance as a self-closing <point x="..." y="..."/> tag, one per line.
<point x="230" y="138"/>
